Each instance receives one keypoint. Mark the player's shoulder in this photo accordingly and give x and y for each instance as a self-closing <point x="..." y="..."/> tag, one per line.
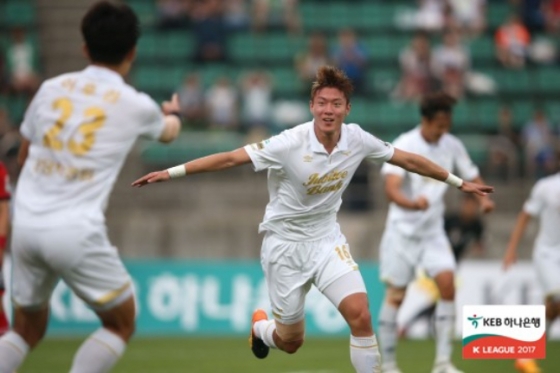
<point x="297" y="133"/>
<point x="548" y="182"/>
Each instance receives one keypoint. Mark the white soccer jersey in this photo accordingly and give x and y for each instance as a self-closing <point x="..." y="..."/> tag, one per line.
<point x="450" y="154"/>
<point x="544" y="203"/>
<point x="306" y="183"/>
<point x="80" y="126"/>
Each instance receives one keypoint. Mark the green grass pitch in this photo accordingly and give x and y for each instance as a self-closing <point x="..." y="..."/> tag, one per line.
<point x="232" y="355"/>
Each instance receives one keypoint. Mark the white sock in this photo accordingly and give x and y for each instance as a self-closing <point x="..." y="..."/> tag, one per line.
<point x="445" y="322"/>
<point x="364" y="354"/>
<point x="388" y="334"/>
<point x="13" y="350"/>
<point x="264" y="329"/>
<point x="98" y="353"/>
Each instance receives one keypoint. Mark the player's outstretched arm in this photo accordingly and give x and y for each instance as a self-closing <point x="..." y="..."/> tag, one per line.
<point x="420" y="165"/>
<point x="510" y="256"/>
<point x="214" y="162"/>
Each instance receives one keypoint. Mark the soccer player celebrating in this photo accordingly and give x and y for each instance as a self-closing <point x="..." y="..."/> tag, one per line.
<point x="76" y="133"/>
<point x="4" y="225"/>
<point x="414" y="233"/>
<point x="543" y="203"/>
<point x="309" y="167"/>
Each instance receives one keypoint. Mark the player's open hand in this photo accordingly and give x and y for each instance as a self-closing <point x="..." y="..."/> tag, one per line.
<point x="479" y="189"/>
<point x="152" y="177"/>
<point x="171" y="106"/>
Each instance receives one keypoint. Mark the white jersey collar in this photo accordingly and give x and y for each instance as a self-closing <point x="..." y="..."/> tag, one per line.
<point x="317" y="147"/>
<point x="103" y="73"/>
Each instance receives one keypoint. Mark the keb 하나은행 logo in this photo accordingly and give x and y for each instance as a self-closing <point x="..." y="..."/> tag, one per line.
<point x="504" y="332"/>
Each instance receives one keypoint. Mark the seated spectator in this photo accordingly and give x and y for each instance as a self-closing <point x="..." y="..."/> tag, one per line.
<point x="209" y="31"/>
<point x="512" y="41"/>
<point x="504" y="148"/>
<point x="172" y="14"/>
<point x="539" y="142"/>
<point x="552" y="16"/>
<point x="351" y="58"/>
<point x="532" y="16"/>
<point x="256" y="88"/>
<point x="307" y="63"/>
<point x="235" y="15"/>
<point x="221" y="105"/>
<point x="451" y="63"/>
<point x="191" y="99"/>
<point x="416" y="76"/>
<point x="469" y="15"/>
<point x="431" y="15"/>
<point x="21" y="58"/>
<point x="273" y="13"/>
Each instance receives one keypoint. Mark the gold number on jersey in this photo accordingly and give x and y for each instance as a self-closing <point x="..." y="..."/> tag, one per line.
<point x="342" y="252"/>
<point x="95" y="119"/>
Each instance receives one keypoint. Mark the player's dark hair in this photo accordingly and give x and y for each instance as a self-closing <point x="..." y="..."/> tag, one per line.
<point x="110" y="32"/>
<point x="433" y="103"/>
<point x="332" y="77"/>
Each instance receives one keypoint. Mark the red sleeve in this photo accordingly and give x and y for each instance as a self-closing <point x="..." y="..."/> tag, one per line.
<point x="4" y="183"/>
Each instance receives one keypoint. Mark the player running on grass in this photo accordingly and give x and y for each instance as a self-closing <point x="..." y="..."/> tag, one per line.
<point x="309" y="167"/>
<point x="543" y="203"/>
<point x="76" y="133"/>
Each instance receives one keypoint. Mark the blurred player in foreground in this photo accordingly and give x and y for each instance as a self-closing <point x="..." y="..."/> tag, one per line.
<point x="543" y="203"/>
<point x="414" y="234"/>
<point x="309" y="167"/>
<point x="4" y="228"/>
<point x="77" y="132"/>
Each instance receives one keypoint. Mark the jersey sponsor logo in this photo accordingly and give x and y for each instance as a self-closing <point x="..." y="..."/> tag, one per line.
<point x="330" y="182"/>
<point x="48" y="167"/>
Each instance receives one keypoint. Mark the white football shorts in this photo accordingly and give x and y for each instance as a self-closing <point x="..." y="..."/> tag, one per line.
<point x="400" y="255"/>
<point x="82" y="257"/>
<point x="547" y="265"/>
<point x="290" y="268"/>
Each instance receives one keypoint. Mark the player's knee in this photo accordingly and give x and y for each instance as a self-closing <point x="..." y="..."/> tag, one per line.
<point x="359" y="319"/>
<point x="292" y="346"/>
<point x="124" y="329"/>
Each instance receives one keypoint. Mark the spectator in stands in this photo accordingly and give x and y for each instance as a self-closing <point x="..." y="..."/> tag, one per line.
<point x="308" y="63"/>
<point x="539" y="142"/>
<point x="222" y="105"/>
<point x="235" y="15"/>
<point x="416" y="75"/>
<point x="4" y="81"/>
<point x="450" y="64"/>
<point x="272" y="13"/>
<point x="209" y="31"/>
<point x="351" y="58"/>
<point x="191" y="99"/>
<point x="431" y="15"/>
<point x="505" y="147"/>
<point x="256" y="88"/>
<point x="469" y="15"/>
<point x="172" y="14"/>
<point x="552" y="16"/>
<point x="512" y="41"/>
<point x="21" y="58"/>
<point x="531" y="12"/>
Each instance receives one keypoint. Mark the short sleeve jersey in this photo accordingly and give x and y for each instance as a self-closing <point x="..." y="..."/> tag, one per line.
<point x="448" y="153"/>
<point x="80" y="126"/>
<point x="305" y="183"/>
<point x="544" y="203"/>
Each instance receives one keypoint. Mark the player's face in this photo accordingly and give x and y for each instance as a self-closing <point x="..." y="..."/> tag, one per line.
<point x="438" y="126"/>
<point x="329" y="108"/>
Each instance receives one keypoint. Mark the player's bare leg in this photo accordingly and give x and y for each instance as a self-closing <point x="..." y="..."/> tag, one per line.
<point x="29" y="328"/>
<point x="388" y="333"/>
<point x="100" y="352"/>
<point x="445" y="322"/>
<point x="364" y="350"/>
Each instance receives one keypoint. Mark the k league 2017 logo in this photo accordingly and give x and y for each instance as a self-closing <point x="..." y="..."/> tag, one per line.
<point x="504" y="332"/>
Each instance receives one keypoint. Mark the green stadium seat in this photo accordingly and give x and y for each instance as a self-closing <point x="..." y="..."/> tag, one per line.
<point x="513" y="82"/>
<point x="498" y="13"/>
<point x="145" y="10"/>
<point x="548" y="80"/>
<point x="477" y="147"/>
<point x="192" y="145"/>
<point x="486" y="113"/>
<point x="464" y="120"/>
<point x="18" y="13"/>
<point x="274" y="47"/>
<point x="386" y="47"/>
<point x="482" y="49"/>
